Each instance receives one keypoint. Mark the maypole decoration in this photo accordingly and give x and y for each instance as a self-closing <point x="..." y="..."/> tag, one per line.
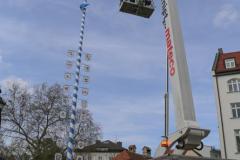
<point x="71" y="141"/>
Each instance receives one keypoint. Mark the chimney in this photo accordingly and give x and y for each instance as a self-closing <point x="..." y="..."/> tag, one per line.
<point x="146" y="151"/>
<point x="132" y="148"/>
<point x="119" y="144"/>
<point x="220" y="50"/>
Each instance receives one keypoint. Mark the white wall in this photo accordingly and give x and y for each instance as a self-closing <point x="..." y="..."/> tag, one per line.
<point x="96" y="155"/>
<point x="229" y="124"/>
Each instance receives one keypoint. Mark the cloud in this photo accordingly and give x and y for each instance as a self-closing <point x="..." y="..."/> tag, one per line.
<point x="8" y="82"/>
<point x="129" y="109"/>
<point x="22" y="33"/>
<point x="133" y="61"/>
<point x="131" y="120"/>
<point x="227" y="16"/>
<point x="4" y="65"/>
<point x="1" y="59"/>
<point x="117" y="57"/>
<point x="17" y="3"/>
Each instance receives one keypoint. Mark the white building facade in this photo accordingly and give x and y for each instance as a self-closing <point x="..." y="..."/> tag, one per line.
<point x="226" y="77"/>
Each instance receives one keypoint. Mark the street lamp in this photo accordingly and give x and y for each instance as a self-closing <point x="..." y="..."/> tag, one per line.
<point x="2" y="104"/>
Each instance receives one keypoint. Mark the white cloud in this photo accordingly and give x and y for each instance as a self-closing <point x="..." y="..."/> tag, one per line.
<point x="23" y="4"/>
<point x="1" y="56"/>
<point x="132" y="120"/>
<point x="132" y="139"/>
<point x="1" y="59"/>
<point x="16" y="32"/>
<point x="4" y="65"/>
<point x="227" y="15"/>
<point x="128" y="110"/>
<point x="115" y="57"/>
<point x="8" y="82"/>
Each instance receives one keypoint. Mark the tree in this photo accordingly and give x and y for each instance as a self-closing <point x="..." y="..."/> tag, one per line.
<point x="5" y="153"/>
<point x="87" y="132"/>
<point x="1" y="141"/>
<point x="32" y="117"/>
<point x="16" y="149"/>
<point x="49" y="148"/>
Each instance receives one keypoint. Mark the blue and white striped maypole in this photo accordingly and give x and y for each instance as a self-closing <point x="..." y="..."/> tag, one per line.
<point x="71" y="141"/>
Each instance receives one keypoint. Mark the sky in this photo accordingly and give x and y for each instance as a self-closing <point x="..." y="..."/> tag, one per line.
<point x="128" y="65"/>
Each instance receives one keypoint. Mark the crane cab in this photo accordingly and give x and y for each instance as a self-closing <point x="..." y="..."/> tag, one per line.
<point x="142" y="8"/>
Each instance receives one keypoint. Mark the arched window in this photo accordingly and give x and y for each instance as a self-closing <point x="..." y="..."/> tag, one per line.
<point x="234" y="85"/>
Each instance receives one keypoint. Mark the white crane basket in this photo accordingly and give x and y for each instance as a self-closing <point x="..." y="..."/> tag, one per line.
<point x="143" y="8"/>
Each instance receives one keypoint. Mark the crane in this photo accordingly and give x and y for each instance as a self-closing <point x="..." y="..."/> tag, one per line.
<point x="188" y="135"/>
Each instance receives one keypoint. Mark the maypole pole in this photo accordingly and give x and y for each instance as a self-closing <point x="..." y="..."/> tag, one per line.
<point x="71" y="141"/>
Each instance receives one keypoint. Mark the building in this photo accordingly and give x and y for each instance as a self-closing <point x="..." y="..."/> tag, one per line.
<point x="226" y="77"/>
<point x="101" y="150"/>
<point x="131" y="154"/>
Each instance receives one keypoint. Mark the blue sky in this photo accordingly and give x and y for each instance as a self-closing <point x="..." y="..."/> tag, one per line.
<point x="127" y="70"/>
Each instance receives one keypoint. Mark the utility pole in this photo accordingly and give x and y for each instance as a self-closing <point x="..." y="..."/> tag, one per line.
<point x="71" y="140"/>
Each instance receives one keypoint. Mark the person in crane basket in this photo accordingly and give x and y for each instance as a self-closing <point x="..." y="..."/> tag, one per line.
<point x="145" y="2"/>
<point x="148" y="2"/>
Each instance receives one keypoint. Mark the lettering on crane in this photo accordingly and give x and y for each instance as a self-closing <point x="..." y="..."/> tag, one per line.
<point x="171" y="61"/>
<point x="170" y="52"/>
<point x="164" y="13"/>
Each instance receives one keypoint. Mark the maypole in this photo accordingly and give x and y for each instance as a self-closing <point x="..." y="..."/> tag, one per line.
<point x="71" y="141"/>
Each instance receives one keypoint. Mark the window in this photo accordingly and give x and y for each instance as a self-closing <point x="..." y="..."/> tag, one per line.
<point x="99" y="158"/>
<point x="237" y="135"/>
<point x="230" y="63"/>
<point x="235" y="110"/>
<point x="234" y="85"/>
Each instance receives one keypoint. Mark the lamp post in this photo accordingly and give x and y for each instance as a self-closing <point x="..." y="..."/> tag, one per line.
<point x="2" y="104"/>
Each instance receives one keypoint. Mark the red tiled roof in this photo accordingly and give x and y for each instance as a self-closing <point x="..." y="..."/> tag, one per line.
<point x="126" y="155"/>
<point x="219" y="64"/>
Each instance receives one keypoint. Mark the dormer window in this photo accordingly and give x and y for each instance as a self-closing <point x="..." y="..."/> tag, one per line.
<point x="230" y="63"/>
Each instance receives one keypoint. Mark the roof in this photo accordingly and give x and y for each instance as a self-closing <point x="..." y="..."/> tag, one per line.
<point x="219" y="63"/>
<point x="102" y="146"/>
<point x="126" y="155"/>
